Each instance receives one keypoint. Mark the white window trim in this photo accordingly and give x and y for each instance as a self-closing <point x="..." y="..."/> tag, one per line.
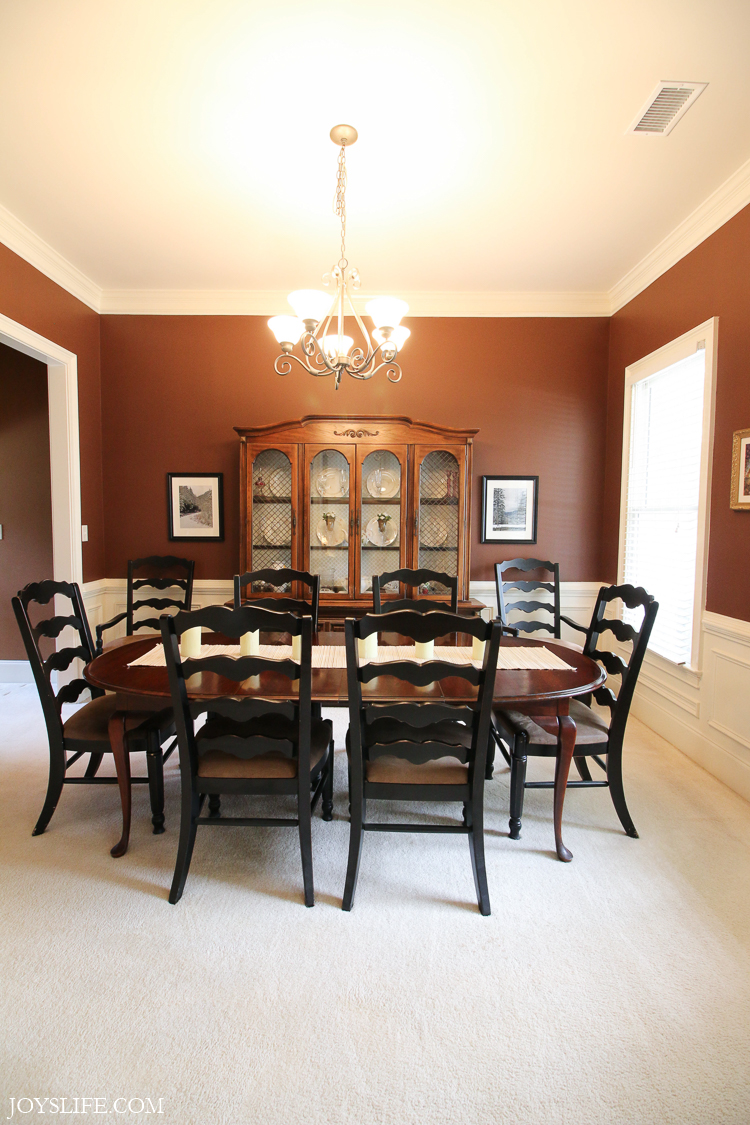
<point x="684" y="346"/>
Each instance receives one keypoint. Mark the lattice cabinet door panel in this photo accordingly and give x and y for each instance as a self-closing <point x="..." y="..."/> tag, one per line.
<point x="381" y="515"/>
<point x="330" y="517"/>
<point x="439" y="502"/>
<point x="272" y="507"/>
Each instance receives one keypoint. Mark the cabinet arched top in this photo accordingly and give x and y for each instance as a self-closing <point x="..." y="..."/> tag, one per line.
<point x="363" y="429"/>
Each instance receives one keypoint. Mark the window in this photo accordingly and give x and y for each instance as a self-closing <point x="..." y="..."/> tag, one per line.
<point x="666" y="468"/>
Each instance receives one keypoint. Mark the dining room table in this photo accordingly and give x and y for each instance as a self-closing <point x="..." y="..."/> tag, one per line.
<point x="544" y="692"/>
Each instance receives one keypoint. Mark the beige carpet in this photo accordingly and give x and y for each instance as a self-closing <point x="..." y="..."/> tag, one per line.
<point x="613" y="989"/>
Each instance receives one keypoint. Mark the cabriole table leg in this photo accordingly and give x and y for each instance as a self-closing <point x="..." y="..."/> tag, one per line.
<point x="122" y="765"/>
<point x="566" y="746"/>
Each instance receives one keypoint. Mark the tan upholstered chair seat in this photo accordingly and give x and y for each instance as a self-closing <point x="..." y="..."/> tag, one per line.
<point x="390" y="770"/>
<point x="591" y="728"/>
<point x="90" y="723"/>
<point x="220" y="763"/>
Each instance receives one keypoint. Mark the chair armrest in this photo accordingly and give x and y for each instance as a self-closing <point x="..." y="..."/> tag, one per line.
<point x="510" y="630"/>
<point x="106" y="625"/>
<point x="573" y="624"/>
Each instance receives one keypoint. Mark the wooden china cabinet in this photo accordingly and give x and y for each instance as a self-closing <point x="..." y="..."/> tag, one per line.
<point x="347" y="498"/>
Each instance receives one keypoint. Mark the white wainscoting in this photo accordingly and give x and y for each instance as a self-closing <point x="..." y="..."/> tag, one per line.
<point x="105" y="598"/>
<point x="706" y="712"/>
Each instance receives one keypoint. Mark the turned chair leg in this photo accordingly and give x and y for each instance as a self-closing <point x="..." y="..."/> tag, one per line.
<point x="517" y="782"/>
<point x="328" y="787"/>
<point x="155" y="770"/>
<point x="214" y="804"/>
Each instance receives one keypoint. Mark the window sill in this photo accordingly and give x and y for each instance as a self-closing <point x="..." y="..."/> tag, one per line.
<point x="684" y="673"/>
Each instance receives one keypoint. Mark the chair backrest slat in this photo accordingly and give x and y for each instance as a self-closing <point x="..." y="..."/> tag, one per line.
<point x="278" y="578"/>
<point x="626" y="667"/>
<point x="58" y="661"/>
<point x="413" y="579"/>
<point x="232" y="623"/>
<point x="408" y="719"/>
<point x="506" y="582"/>
<point x="158" y="577"/>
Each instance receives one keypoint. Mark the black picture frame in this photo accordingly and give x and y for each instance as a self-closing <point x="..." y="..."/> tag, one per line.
<point x="188" y="527"/>
<point x="493" y="528"/>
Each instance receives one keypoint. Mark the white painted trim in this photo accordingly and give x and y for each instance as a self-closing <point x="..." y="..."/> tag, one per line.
<point x="16" y="672"/>
<point x="681" y="348"/>
<point x="65" y="465"/>
<point x="693" y="716"/>
<point x="23" y="241"/>
<point x="722" y="205"/>
<point x="730" y="627"/>
<point x="248" y="302"/>
<point x="729" y="198"/>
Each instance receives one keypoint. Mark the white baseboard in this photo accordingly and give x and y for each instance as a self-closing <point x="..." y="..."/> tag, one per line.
<point x="15" y="672"/>
<point x="705" y="711"/>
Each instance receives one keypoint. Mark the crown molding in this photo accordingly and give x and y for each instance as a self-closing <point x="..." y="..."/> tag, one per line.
<point x="717" y="209"/>
<point x="249" y="302"/>
<point x="729" y="198"/>
<point x="23" y="241"/>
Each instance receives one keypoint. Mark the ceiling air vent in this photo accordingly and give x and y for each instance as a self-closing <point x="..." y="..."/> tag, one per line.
<point x="665" y="107"/>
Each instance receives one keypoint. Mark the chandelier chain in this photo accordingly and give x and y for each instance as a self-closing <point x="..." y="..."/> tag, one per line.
<point x="339" y="206"/>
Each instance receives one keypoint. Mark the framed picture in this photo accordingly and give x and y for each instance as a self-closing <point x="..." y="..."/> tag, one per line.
<point x="509" y="507"/>
<point x="195" y="505"/>
<point x="740" y="497"/>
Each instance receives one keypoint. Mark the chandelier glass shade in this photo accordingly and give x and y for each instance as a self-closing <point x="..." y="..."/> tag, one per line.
<point x="318" y="325"/>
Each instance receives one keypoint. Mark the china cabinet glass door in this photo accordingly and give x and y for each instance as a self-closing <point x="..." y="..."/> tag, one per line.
<point x="330" y="518"/>
<point x="273" y="522"/>
<point x="381" y="516"/>
<point x="439" y="494"/>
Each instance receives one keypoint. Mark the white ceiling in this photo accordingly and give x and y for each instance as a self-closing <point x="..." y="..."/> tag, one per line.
<point x="183" y="144"/>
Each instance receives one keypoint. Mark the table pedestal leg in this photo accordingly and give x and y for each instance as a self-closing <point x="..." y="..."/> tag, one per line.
<point x="567" y="743"/>
<point x="122" y="765"/>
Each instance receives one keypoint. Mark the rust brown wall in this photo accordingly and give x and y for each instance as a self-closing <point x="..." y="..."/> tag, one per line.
<point x="710" y="281"/>
<point x="173" y="388"/>
<point x="30" y="298"/>
<point x="25" y="497"/>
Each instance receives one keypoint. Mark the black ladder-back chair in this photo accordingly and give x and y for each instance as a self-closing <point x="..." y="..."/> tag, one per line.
<point x="419" y="751"/>
<point x="527" y="586"/>
<point x="163" y="572"/>
<point x="413" y="579"/>
<point x="250" y="746"/>
<point x="278" y="578"/>
<point x="595" y="738"/>
<point x="85" y="732"/>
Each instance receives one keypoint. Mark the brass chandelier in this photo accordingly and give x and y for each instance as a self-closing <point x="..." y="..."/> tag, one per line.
<point x="333" y="353"/>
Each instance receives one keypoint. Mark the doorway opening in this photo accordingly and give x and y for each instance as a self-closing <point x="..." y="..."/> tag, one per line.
<point x="64" y="460"/>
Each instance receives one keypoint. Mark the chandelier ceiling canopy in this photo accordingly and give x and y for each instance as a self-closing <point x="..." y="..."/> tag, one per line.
<point x="331" y="352"/>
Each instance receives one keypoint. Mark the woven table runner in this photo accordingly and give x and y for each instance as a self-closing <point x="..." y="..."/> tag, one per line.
<point x="334" y="656"/>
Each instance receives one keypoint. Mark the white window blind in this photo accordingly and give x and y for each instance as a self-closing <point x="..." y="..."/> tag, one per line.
<point x="663" y="492"/>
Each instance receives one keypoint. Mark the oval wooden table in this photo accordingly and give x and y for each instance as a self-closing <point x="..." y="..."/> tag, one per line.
<point x="545" y="694"/>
